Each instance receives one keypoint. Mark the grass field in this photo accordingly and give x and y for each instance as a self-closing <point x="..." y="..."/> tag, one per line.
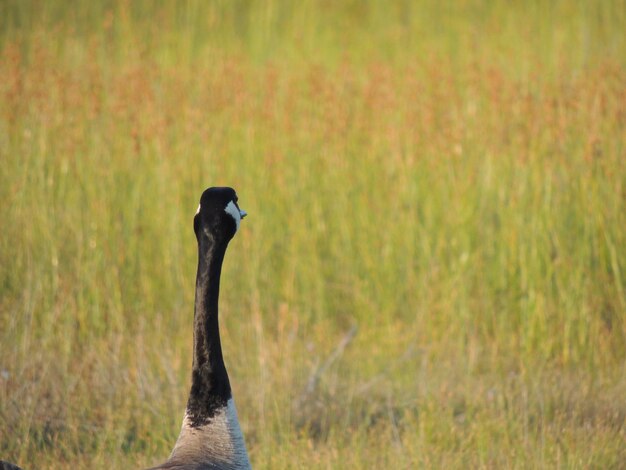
<point x="433" y="271"/>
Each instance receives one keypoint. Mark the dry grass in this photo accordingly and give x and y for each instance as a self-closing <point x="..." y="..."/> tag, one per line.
<point x="432" y="273"/>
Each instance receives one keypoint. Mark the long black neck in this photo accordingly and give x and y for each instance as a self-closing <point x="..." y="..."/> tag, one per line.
<point x="210" y="388"/>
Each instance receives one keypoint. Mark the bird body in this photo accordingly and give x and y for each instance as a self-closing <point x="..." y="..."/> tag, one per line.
<point x="217" y="444"/>
<point x="8" y="466"/>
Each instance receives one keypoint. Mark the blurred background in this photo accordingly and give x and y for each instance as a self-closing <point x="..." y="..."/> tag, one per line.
<point x="433" y="270"/>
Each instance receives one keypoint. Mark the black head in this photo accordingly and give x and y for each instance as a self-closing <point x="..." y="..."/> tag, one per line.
<point x="218" y="214"/>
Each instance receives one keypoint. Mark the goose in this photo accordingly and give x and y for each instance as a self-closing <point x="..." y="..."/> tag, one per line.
<point x="8" y="466"/>
<point x="210" y="437"/>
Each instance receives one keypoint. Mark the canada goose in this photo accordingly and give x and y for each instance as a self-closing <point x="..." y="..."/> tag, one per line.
<point x="210" y="437"/>
<point x="8" y="466"/>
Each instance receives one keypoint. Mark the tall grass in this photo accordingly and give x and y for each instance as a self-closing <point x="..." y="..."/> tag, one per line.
<point x="446" y="180"/>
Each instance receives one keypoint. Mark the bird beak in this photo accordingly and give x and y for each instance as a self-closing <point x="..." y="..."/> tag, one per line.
<point x="242" y="213"/>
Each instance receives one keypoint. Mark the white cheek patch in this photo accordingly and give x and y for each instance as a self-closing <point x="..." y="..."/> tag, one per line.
<point x="198" y="211"/>
<point x="231" y="209"/>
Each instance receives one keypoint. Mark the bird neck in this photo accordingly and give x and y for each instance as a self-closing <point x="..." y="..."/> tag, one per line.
<point x="210" y="388"/>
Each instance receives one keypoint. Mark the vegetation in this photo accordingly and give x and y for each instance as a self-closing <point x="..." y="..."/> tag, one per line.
<point x="433" y="271"/>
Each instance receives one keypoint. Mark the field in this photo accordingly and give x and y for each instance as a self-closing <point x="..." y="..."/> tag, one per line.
<point x="433" y="270"/>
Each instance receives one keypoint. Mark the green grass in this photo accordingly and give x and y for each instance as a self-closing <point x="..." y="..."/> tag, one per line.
<point x="446" y="177"/>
